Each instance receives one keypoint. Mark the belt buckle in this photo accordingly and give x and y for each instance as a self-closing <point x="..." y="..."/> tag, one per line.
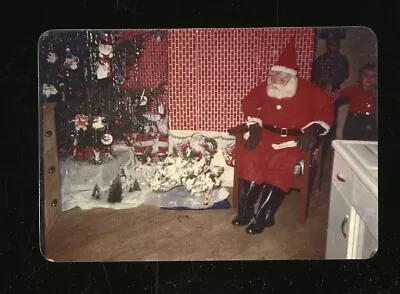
<point x="284" y="132"/>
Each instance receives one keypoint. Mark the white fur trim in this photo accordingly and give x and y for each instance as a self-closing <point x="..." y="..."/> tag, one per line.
<point x="253" y="120"/>
<point x="284" y="69"/>
<point x="321" y="123"/>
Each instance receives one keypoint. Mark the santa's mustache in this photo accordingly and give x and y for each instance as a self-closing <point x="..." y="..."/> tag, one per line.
<point x="280" y="91"/>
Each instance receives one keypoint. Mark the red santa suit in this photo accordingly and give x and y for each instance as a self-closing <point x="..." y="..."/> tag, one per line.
<point x="309" y="105"/>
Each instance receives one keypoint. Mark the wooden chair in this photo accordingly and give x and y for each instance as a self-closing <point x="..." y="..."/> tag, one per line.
<point x="304" y="183"/>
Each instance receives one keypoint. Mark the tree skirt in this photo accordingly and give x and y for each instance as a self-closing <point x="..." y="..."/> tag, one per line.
<point x="79" y="178"/>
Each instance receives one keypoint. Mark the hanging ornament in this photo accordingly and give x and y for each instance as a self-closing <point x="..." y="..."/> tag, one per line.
<point x="98" y="122"/>
<point x="48" y="90"/>
<point x="71" y="61"/>
<point x="143" y="99"/>
<point x="161" y="109"/>
<point x="107" y="139"/>
<point x="81" y="122"/>
<point x="52" y="57"/>
<point x="105" y="55"/>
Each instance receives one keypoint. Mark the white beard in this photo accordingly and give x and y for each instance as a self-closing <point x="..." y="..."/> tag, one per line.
<point x="281" y="92"/>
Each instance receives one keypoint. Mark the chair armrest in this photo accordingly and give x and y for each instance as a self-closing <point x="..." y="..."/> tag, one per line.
<point x="238" y="130"/>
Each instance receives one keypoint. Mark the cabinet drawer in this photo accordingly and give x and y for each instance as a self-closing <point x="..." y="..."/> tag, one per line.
<point x="342" y="175"/>
<point x="338" y="226"/>
<point x="366" y="206"/>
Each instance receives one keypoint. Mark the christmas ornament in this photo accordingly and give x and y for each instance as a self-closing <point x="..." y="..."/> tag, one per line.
<point x="81" y="122"/>
<point x="48" y="90"/>
<point x="143" y="99"/>
<point x="161" y="109"/>
<point x="98" y="122"/>
<point x="71" y="61"/>
<point x="52" y="57"/>
<point x="105" y="55"/>
<point x="107" y="139"/>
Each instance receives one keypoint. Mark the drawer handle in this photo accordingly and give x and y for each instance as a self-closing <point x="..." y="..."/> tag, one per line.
<point x="373" y="253"/>
<point x="54" y="202"/>
<point x="52" y="169"/>
<point x="344" y="222"/>
<point x="340" y="178"/>
<point x="48" y="133"/>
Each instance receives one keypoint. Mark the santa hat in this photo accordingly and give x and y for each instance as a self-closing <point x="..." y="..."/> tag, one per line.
<point x="287" y="62"/>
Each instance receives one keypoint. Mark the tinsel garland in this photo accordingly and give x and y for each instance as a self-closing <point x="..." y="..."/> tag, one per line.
<point x="76" y="88"/>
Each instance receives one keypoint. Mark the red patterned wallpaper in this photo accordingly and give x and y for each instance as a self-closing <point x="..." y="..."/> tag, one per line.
<point x="210" y="70"/>
<point x="152" y="64"/>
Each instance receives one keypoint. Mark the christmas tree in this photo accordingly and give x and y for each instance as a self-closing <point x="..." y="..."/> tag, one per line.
<point x="115" y="192"/>
<point x="84" y="72"/>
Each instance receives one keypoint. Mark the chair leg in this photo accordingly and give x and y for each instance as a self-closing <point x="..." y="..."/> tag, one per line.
<point x="303" y="205"/>
<point x="319" y="168"/>
<point x="305" y="188"/>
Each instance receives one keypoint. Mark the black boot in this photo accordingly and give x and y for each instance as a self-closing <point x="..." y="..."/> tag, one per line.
<point x="247" y="197"/>
<point x="271" y="199"/>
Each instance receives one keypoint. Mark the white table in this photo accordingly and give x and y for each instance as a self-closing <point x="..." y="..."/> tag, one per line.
<point x="353" y="211"/>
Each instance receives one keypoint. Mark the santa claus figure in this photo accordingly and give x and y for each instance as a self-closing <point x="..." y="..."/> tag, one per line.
<point x="285" y="116"/>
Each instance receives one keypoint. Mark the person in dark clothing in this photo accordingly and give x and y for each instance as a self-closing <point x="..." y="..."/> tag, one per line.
<point x="332" y="65"/>
<point x="360" y="122"/>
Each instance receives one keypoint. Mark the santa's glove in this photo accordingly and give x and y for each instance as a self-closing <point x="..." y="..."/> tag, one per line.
<point x="254" y="136"/>
<point x="309" y="139"/>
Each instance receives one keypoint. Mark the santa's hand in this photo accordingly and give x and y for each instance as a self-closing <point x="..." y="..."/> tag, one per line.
<point x="254" y="137"/>
<point x="309" y="138"/>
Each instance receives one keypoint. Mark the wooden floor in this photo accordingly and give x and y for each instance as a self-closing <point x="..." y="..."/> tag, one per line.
<point x="147" y="233"/>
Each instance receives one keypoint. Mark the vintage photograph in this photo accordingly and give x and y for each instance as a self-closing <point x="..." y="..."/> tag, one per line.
<point x="208" y="144"/>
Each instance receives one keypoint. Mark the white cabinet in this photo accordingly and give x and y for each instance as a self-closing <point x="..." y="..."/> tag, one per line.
<point x="353" y="212"/>
<point x="338" y="227"/>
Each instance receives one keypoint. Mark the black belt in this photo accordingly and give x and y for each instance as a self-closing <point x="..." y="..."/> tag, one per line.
<point x="284" y="132"/>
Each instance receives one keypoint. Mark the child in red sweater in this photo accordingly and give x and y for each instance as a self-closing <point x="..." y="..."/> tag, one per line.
<point x="361" y="122"/>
